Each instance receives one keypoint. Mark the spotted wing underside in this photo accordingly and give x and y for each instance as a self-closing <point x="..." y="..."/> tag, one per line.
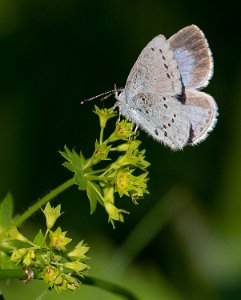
<point x="155" y="70"/>
<point x="165" y="120"/>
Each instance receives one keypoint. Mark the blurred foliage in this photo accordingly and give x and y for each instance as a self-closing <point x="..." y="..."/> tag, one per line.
<point x="54" y="54"/>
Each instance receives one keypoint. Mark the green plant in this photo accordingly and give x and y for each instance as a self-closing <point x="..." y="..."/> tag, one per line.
<point x="117" y="168"/>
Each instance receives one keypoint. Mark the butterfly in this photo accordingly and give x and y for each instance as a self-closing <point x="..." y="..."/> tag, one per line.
<point x="162" y="93"/>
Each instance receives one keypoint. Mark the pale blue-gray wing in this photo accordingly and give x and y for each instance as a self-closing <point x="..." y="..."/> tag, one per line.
<point x="162" y="117"/>
<point x="195" y="63"/>
<point x="154" y="71"/>
<point x="202" y="113"/>
<point x="193" y="56"/>
<point x="160" y="95"/>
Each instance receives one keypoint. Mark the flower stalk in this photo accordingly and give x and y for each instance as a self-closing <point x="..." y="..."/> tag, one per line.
<point x="126" y="175"/>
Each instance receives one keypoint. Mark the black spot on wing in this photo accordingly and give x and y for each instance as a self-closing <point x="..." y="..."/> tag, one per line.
<point x="191" y="135"/>
<point x="182" y="97"/>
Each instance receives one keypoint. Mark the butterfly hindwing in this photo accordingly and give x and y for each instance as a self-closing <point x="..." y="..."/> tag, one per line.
<point x="162" y="117"/>
<point x="202" y="112"/>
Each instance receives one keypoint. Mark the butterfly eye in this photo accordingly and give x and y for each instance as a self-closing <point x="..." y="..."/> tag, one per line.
<point x="119" y="92"/>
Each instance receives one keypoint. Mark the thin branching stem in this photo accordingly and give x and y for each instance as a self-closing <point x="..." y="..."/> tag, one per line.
<point x="109" y="286"/>
<point x="100" y="283"/>
<point x="42" y="201"/>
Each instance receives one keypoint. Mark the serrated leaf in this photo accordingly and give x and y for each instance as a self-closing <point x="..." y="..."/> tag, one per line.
<point x="94" y="194"/>
<point x="75" y="163"/>
<point x="39" y="238"/>
<point x="6" y="212"/>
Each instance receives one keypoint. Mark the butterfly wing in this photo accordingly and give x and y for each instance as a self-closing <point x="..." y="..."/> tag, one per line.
<point x="155" y="70"/>
<point x="193" y="56"/>
<point x="195" y="63"/>
<point x="201" y="110"/>
<point x="160" y="94"/>
<point x="150" y="97"/>
<point x="162" y="117"/>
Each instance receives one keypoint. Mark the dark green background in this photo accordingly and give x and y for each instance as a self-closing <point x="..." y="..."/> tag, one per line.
<point x="55" y="53"/>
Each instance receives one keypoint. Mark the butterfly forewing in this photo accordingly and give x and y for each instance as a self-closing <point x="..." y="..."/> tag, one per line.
<point x="193" y="56"/>
<point x="155" y="70"/>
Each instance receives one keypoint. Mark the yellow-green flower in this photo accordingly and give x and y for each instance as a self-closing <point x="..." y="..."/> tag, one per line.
<point x="115" y="214"/>
<point x="104" y="115"/>
<point x="79" y="251"/>
<point x="18" y="254"/>
<point x="123" y="147"/>
<point x="24" y="256"/>
<point x="131" y="185"/>
<point x="14" y="234"/>
<point x="51" y="214"/>
<point x="55" y="278"/>
<point x="101" y="152"/>
<point x="30" y="255"/>
<point x="123" y="182"/>
<point x="51" y="275"/>
<point x="76" y="266"/>
<point x="123" y="131"/>
<point x="108" y="194"/>
<point x="133" y="156"/>
<point x="58" y="239"/>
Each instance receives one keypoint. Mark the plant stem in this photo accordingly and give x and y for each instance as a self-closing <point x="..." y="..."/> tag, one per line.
<point x="108" y="286"/>
<point x="12" y="273"/>
<point x="101" y="135"/>
<point x="103" y="284"/>
<point x="32" y="209"/>
<point x="98" y="178"/>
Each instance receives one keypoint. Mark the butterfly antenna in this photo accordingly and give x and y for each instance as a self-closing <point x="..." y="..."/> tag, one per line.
<point x="106" y="94"/>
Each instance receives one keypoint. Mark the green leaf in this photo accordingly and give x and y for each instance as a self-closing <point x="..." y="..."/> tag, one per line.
<point x="94" y="194"/>
<point x="76" y="164"/>
<point x="6" y="212"/>
<point x="39" y="239"/>
<point x="74" y="161"/>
